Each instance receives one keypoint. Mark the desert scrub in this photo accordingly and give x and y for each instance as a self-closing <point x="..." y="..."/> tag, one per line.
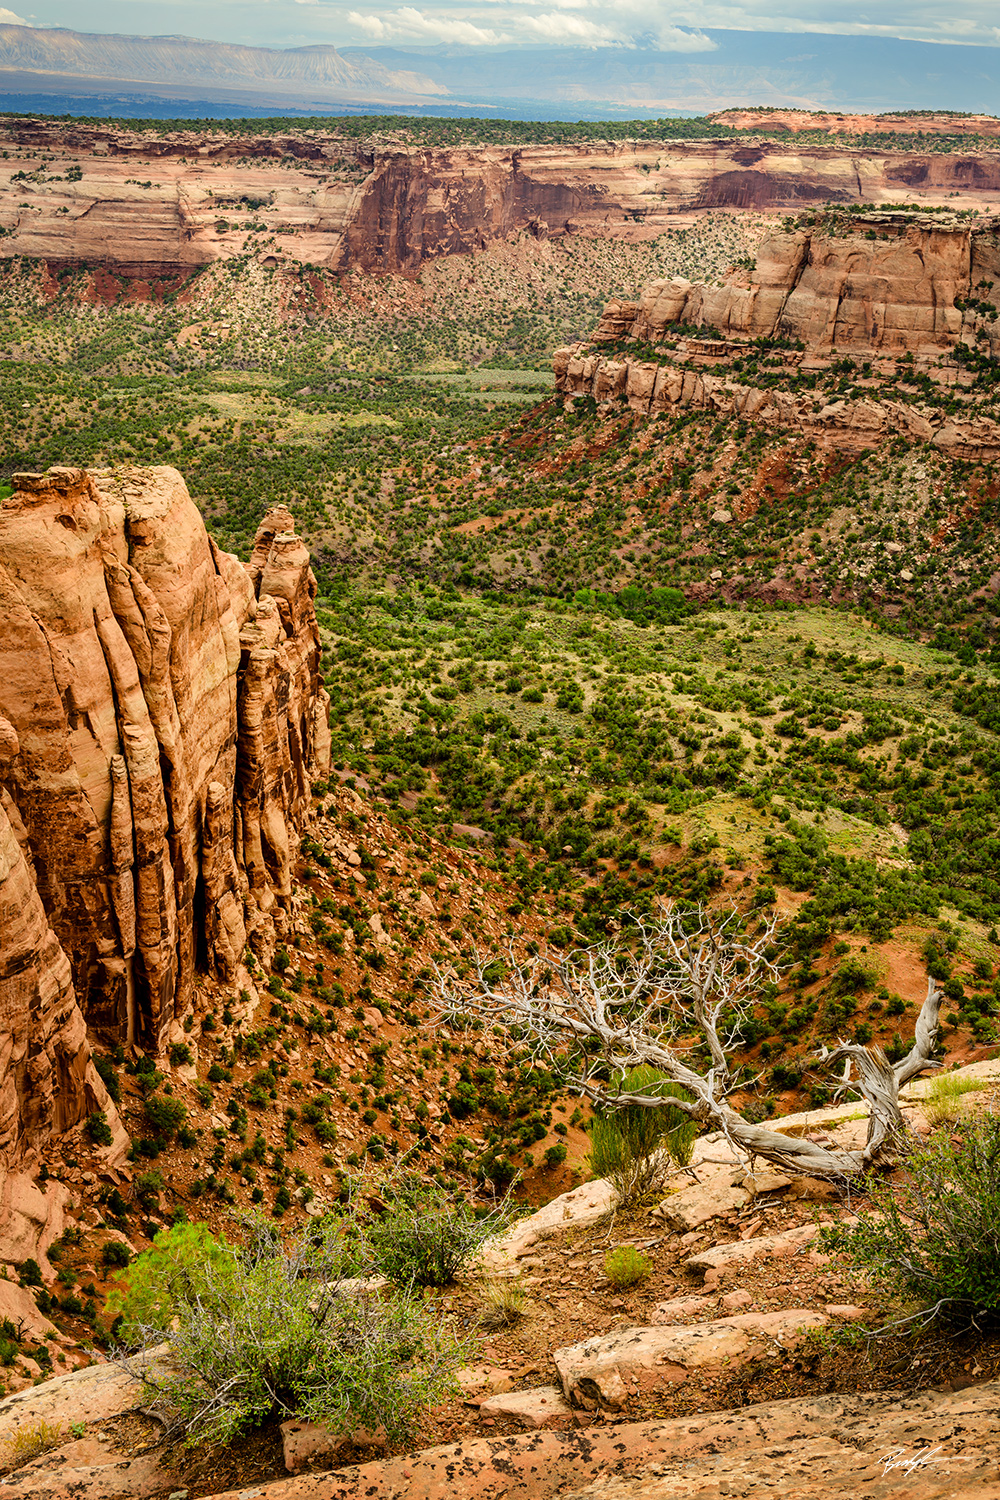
<point x="265" y="1329"/>
<point x="944" y="1103"/>
<point x="634" y="1147"/>
<point x="504" y="1303"/>
<point x="30" y="1442"/>
<point x="934" y="1238"/>
<point x="425" y="1238"/>
<point x="626" y="1266"/>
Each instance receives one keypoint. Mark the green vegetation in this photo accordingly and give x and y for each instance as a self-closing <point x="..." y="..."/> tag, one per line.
<point x="635" y="1146"/>
<point x="626" y="1267"/>
<point x="934" y="1239"/>
<point x="264" y="1329"/>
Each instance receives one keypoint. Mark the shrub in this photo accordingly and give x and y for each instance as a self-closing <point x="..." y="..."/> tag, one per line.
<point x="634" y="1146"/>
<point x="97" y="1128"/>
<point x="934" y="1237"/>
<point x="175" y="1268"/>
<point x="265" y="1330"/>
<point x="626" y="1267"/>
<point x="425" y="1238"/>
<point x="166" y="1115"/>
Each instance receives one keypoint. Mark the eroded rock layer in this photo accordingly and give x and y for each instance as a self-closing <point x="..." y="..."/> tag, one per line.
<point x="882" y="287"/>
<point x="889" y="281"/>
<point x="162" y="207"/>
<point x="168" y="711"/>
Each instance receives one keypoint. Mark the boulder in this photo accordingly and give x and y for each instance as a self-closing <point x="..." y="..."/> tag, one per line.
<point x="583" y="1206"/>
<point x="543" y="1407"/>
<point x="606" y="1370"/>
<point x="693" y="1206"/>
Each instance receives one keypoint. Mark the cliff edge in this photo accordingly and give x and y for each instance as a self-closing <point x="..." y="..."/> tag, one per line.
<point x="161" y="713"/>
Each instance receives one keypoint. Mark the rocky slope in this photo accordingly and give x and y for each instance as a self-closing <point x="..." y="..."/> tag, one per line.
<point x="165" y="206"/>
<point x="885" y="287"/>
<point x="165" y="713"/>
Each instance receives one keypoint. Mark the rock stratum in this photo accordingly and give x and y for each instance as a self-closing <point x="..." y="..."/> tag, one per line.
<point x="153" y="207"/>
<point x="161" y="713"/>
<point x="882" y="288"/>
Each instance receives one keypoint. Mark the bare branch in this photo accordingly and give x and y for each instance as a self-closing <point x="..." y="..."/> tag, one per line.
<point x="682" y="970"/>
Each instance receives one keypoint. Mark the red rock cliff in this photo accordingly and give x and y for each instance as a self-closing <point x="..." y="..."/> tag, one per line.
<point x="888" y="282"/>
<point x="150" y="206"/>
<point x="168" y="713"/>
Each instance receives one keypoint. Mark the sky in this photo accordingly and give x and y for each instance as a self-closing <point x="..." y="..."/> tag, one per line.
<point x="673" y="27"/>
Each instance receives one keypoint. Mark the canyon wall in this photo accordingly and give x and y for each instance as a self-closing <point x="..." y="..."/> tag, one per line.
<point x="652" y="388"/>
<point x="885" y="282"/>
<point x="163" y="714"/>
<point x="880" y="287"/>
<point x="156" y="206"/>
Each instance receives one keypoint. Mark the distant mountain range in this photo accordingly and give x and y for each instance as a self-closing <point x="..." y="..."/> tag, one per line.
<point x="156" y="76"/>
<point x="32" y="59"/>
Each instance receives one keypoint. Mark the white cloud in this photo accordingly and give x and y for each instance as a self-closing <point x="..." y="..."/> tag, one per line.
<point x="560" y="23"/>
<point x="416" y="24"/>
<point x="8" y="18"/>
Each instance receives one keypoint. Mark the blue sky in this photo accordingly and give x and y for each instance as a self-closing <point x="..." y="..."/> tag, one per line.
<point x="587" y="23"/>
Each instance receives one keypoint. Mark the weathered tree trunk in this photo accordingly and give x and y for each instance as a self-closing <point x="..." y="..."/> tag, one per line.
<point x="691" y="969"/>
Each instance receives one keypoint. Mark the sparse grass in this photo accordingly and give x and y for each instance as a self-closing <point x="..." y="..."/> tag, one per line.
<point x="504" y="1303"/>
<point x="30" y="1442"/>
<point x="944" y="1103"/>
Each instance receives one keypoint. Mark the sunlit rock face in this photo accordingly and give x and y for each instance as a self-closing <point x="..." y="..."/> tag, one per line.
<point x="168" y="714"/>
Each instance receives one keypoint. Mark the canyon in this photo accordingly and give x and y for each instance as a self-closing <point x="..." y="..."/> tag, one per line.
<point x="161" y="715"/>
<point x="149" y="208"/>
<point x="879" y="287"/>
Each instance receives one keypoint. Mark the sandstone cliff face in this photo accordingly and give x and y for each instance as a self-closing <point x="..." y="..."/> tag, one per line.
<point x="651" y="389"/>
<point x="885" y="283"/>
<point x="161" y="207"/>
<point x="169" y="712"/>
<point x="884" y="287"/>
<point x="48" y="1082"/>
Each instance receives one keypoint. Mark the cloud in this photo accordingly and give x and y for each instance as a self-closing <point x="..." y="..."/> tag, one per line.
<point x="415" y="24"/>
<point x="8" y="18"/>
<point x="559" y="24"/>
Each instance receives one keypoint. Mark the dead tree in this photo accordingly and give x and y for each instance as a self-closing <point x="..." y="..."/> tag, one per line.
<point x="684" y="970"/>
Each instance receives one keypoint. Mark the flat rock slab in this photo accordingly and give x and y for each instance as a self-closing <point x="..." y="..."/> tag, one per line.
<point x="88" y="1395"/>
<point x="701" y="1202"/>
<point x="742" y="1252"/>
<point x="606" y="1370"/>
<point x="57" y="1476"/>
<point x="542" y="1407"/>
<point x="668" y="1314"/>
<point x="585" y="1205"/>
<point x="776" y="1439"/>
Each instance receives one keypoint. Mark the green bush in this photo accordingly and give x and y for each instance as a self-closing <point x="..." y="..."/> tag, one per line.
<point x="425" y="1238"/>
<point x="263" y="1330"/>
<point x="97" y="1128"/>
<point x="633" y="1146"/>
<point x="934" y="1237"/>
<point x="166" y="1115"/>
<point x="626" y="1267"/>
<point x="114" y="1253"/>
